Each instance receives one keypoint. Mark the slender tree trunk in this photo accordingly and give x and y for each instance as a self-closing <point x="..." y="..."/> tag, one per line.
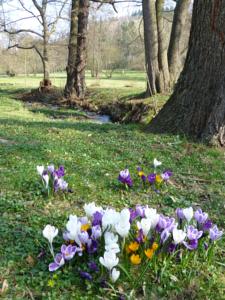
<point x="162" y="49"/>
<point x="81" y="59"/>
<point x="69" y="90"/>
<point x="197" y="106"/>
<point x="178" y="26"/>
<point x="46" y="63"/>
<point x="151" y="47"/>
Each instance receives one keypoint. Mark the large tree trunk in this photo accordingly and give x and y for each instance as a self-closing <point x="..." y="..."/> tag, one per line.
<point x="81" y="59"/>
<point x="151" y="47"/>
<point x="69" y="90"/>
<point x="178" y="26"/>
<point x="162" y="48"/>
<point x="197" y="107"/>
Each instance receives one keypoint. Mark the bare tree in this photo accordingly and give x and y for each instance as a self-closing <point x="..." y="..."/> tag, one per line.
<point x="38" y="11"/>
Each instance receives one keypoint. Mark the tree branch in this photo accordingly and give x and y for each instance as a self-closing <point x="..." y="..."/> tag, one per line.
<point x="22" y="30"/>
<point x="27" y="48"/>
<point x="29" y="11"/>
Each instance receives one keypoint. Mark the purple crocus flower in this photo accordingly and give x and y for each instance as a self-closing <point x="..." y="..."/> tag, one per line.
<point x="166" y="175"/>
<point x="140" y="210"/>
<point x="165" y="223"/>
<point x="193" y="233"/>
<point x="191" y="245"/>
<point x="85" y="275"/>
<point x="140" y="237"/>
<point x="200" y="216"/>
<point x="171" y="248"/>
<point x="59" y="261"/>
<point x="97" y="218"/>
<point x="60" y="172"/>
<point x="151" y="178"/>
<point x="96" y="232"/>
<point x="179" y="213"/>
<point x="68" y="252"/>
<point x="207" y="225"/>
<point x="125" y="178"/>
<point x="93" y="266"/>
<point x="60" y="184"/>
<point x="83" y="237"/>
<point x="92" y="246"/>
<point x="164" y="236"/>
<point x="133" y="214"/>
<point x="215" y="233"/>
<point x="51" y="169"/>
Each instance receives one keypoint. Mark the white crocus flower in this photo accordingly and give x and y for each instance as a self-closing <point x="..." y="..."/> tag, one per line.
<point x="110" y="238"/>
<point x="40" y="170"/>
<point x="50" y="232"/>
<point x="109" y="260"/>
<point x="46" y="180"/>
<point x="91" y="208"/>
<point x="156" y="163"/>
<point x="151" y="214"/>
<point x="114" y="247"/>
<point x="110" y="218"/>
<point x="125" y="214"/>
<point x="111" y="244"/>
<point x="115" y="274"/>
<point x="73" y="227"/>
<point x="178" y="236"/>
<point x="145" y="225"/>
<point x="188" y="213"/>
<point x="123" y="226"/>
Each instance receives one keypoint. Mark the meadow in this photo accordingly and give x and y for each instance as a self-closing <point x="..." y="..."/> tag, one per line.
<point x="93" y="154"/>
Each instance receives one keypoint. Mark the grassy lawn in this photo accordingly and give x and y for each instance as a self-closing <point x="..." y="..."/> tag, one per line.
<point x="93" y="154"/>
<point x="129" y="80"/>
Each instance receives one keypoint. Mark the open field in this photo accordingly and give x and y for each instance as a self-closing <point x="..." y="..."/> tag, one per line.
<point x="93" y="154"/>
<point x="130" y="80"/>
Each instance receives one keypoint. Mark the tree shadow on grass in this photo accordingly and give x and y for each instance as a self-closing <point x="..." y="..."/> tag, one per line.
<point x="78" y="126"/>
<point x="58" y="114"/>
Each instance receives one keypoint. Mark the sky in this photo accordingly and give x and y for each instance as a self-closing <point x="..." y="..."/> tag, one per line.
<point x="14" y="12"/>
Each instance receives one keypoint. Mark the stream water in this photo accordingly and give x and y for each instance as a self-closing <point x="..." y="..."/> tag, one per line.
<point x="99" y="118"/>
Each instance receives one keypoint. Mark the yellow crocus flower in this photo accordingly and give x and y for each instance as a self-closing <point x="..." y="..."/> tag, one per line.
<point x="133" y="246"/>
<point x="155" y="246"/>
<point x="135" y="259"/>
<point x="149" y="253"/>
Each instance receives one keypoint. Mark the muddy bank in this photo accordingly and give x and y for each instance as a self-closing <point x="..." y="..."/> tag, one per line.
<point x="138" y="111"/>
<point x="134" y="110"/>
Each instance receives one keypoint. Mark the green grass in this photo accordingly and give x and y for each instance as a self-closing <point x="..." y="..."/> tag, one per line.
<point x="129" y="80"/>
<point x="93" y="154"/>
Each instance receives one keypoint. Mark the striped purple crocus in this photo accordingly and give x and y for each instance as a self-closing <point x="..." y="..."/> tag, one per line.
<point x="125" y="178"/>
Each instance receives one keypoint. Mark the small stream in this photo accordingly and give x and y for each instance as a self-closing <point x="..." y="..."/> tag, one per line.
<point x="102" y="119"/>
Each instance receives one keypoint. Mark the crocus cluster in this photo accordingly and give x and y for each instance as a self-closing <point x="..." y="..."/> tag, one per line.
<point x="105" y="239"/>
<point x="153" y="179"/>
<point x="52" y="178"/>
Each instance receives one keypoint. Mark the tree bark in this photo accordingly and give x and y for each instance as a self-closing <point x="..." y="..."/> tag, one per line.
<point x="179" y="22"/>
<point x="81" y="58"/>
<point x="197" y="106"/>
<point x="69" y="90"/>
<point x="151" y="47"/>
<point x="162" y="49"/>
